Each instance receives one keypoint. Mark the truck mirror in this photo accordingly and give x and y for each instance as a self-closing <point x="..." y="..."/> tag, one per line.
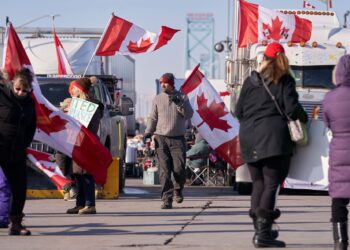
<point x="127" y="106"/>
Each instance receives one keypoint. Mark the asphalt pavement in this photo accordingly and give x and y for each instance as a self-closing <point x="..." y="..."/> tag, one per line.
<point x="209" y="218"/>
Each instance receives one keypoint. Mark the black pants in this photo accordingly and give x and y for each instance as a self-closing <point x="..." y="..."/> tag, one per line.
<point x="339" y="210"/>
<point x="16" y="174"/>
<point x="171" y="152"/>
<point x="267" y="176"/>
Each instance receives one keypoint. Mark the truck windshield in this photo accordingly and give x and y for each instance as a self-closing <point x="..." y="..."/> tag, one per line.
<point x="313" y="76"/>
<point x="55" y="91"/>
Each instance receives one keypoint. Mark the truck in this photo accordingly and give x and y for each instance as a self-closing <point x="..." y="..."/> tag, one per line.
<point x="115" y="88"/>
<point x="42" y="54"/>
<point x="311" y="64"/>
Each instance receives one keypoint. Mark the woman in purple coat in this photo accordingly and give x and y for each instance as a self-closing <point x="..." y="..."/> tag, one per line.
<point x="337" y="117"/>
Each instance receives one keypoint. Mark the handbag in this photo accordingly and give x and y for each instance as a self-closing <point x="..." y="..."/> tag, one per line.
<point x="297" y="129"/>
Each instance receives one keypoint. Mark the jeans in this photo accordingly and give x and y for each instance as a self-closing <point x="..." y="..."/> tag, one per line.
<point x="86" y="190"/>
<point x="5" y="197"/>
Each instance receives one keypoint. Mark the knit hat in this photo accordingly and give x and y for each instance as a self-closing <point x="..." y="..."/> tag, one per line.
<point x="273" y="50"/>
<point x="167" y="78"/>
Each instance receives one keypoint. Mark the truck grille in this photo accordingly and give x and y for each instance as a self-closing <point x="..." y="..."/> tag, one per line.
<point x="314" y="110"/>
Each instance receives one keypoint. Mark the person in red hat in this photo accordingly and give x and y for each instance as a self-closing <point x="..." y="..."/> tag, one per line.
<point x="266" y="145"/>
<point x="85" y="200"/>
<point x="167" y="122"/>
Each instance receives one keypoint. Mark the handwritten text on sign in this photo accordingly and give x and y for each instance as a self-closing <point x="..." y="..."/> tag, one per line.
<point x="82" y="110"/>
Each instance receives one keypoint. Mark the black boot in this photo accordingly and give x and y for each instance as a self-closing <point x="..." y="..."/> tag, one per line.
<point x="274" y="233"/>
<point x="263" y="237"/>
<point x="17" y="227"/>
<point x="340" y="235"/>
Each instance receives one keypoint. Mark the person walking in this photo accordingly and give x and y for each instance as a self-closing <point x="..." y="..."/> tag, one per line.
<point x="167" y="122"/>
<point x="85" y="183"/>
<point x="18" y="125"/>
<point x="266" y="145"/>
<point x="336" y="115"/>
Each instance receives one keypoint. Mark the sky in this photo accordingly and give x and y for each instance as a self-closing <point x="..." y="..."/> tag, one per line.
<point x="148" y="14"/>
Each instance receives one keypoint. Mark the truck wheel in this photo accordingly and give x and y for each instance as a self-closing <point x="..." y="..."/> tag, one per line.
<point x="244" y="188"/>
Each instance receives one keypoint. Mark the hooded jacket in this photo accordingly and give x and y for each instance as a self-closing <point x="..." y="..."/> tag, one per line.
<point x="263" y="130"/>
<point x="337" y="117"/>
<point x="17" y="124"/>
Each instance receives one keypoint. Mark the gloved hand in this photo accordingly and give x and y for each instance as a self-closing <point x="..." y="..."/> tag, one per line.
<point x="147" y="137"/>
<point x="176" y="99"/>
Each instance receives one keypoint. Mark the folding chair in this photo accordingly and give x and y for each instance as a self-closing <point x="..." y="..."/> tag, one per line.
<point x="198" y="174"/>
<point x="217" y="171"/>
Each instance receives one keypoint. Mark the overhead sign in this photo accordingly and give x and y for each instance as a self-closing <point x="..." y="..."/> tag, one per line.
<point x="82" y="110"/>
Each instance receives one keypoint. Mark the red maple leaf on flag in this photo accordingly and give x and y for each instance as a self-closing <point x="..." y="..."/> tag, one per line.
<point x="275" y="31"/>
<point x="46" y="123"/>
<point x="143" y="47"/>
<point x="211" y="114"/>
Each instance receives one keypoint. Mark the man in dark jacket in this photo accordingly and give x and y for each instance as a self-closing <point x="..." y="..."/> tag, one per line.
<point x="167" y="122"/>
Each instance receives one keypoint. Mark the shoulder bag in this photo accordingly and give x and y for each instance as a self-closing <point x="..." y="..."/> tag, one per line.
<point x="297" y="129"/>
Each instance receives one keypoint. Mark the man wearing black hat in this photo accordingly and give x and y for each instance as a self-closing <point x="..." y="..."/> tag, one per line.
<point x="167" y="122"/>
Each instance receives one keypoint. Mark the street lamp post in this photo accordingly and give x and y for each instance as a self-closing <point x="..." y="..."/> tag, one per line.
<point x="36" y="19"/>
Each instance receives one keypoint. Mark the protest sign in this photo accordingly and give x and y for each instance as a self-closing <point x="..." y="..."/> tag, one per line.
<point x="82" y="110"/>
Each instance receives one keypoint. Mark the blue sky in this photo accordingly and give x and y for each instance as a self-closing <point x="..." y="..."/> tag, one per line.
<point x="150" y="15"/>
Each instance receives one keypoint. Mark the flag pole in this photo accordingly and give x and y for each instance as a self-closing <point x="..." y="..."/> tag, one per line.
<point x="98" y="44"/>
<point x="234" y="59"/>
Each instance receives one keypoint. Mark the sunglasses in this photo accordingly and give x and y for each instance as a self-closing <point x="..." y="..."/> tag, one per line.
<point x="27" y="91"/>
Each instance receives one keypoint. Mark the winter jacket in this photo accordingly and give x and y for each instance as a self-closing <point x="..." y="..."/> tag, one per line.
<point x="263" y="130"/>
<point x="337" y="117"/>
<point x="17" y="124"/>
<point x="93" y="127"/>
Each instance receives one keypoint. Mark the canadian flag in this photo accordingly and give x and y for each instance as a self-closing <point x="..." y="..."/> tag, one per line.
<point x="54" y="127"/>
<point x="64" y="67"/>
<point x="212" y="119"/>
<point x="126" y="38"/>
<point x="43" y="162"/>
<point x="306" y="4"/>
<point x="257" y="24"/>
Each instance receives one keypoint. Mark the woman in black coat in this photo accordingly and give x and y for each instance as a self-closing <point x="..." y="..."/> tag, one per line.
<point x="265" y="141"/>
<point x="17" y="128"/>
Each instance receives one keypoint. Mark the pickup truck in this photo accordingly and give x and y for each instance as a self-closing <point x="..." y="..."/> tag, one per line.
<point x="113" y="127"/>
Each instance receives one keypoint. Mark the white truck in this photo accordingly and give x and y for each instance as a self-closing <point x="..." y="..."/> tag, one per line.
<point x="312" y="64"/>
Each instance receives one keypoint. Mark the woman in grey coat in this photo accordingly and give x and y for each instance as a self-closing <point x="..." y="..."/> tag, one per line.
<point x="337" y="117"/>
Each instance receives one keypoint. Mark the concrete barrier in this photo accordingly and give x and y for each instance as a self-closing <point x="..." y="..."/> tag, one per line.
<point x="109" y="191"/>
